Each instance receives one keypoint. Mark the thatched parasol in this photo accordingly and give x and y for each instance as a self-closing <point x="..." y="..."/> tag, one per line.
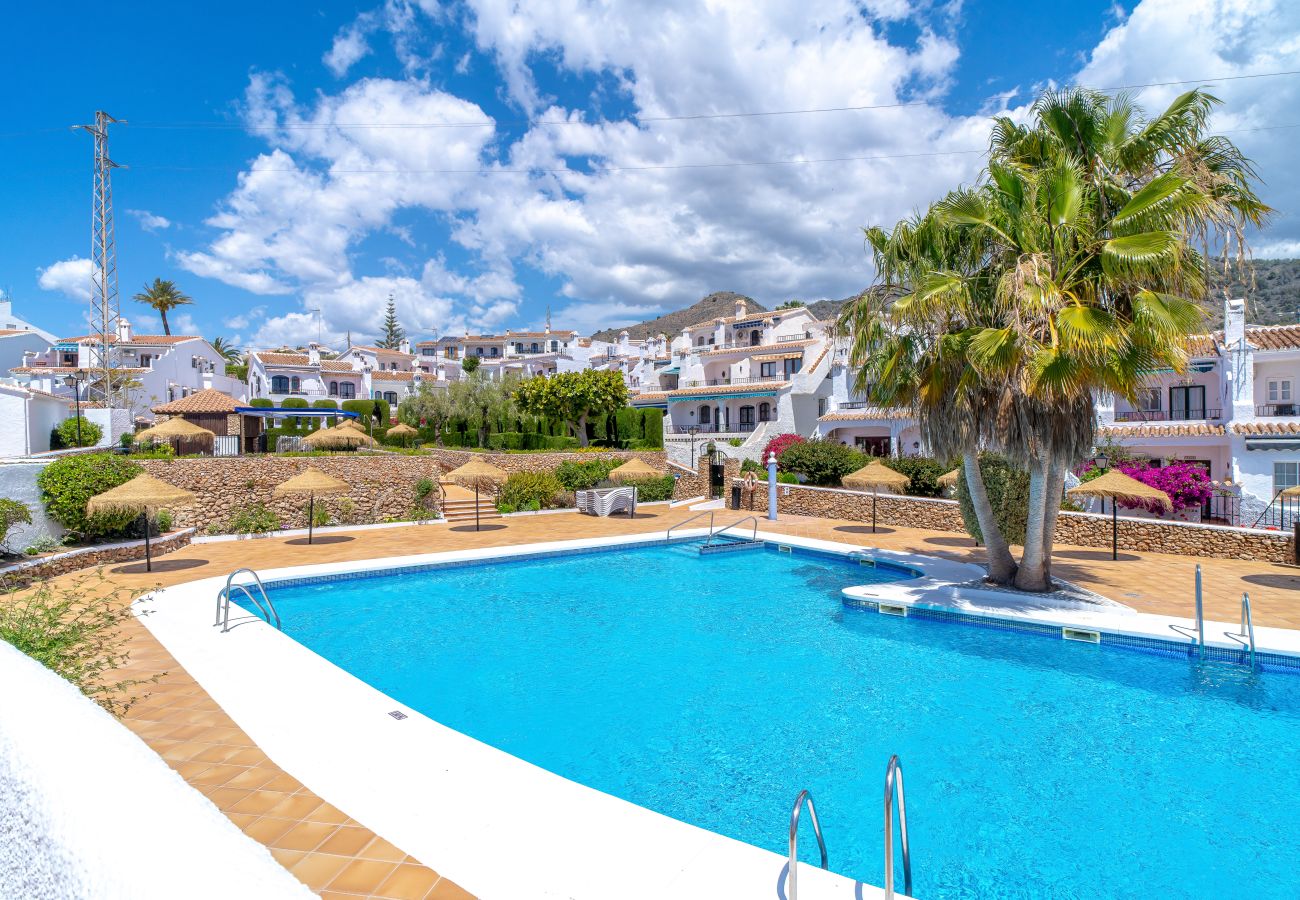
<point x="174" y="428"/>
<point x="633" y="470"/>
<point x="402" y="431"/>
<point x="353" y="423"/>
<point x="313" y="483"/>
<point x="340" y="437"/>
<point x="478" y="472"/>
<point x="1120" y="488"/>
<point x="875" y="475"/>
<point x="949" y="479"/>
<point x="142" y="494"/>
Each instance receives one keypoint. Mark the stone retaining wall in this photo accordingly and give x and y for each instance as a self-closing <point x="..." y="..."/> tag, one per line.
<point x="24" y="573"/>
<point x="383" y="484"/>
<point x="1080" y="529"/>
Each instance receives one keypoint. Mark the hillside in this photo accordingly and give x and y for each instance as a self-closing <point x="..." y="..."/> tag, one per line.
<point x="719" y="303"/>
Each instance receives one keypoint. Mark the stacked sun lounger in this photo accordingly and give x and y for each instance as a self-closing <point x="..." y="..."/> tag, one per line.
<point x="604" y="501"/>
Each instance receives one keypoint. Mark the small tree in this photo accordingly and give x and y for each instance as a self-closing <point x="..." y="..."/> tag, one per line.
<point x="394" y="333"/>
<point x="12" y="513"/>
<point x="68" y="483"/>
<point x="469" y="364"/>
<point x="430" y="408"/>
<point x="779" y="444"/>
<point x="573" y="398"/>
<point x="66" y="433"/>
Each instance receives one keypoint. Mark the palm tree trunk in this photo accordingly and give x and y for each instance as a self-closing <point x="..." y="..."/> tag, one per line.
<point x="1032" y="574"/>
<point x="166" y="328"/>
<point x="1052" y="502"/>
<point x="1001" y="564"/>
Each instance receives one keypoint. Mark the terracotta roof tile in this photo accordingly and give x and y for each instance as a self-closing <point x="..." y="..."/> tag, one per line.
<point x="208" y="400"/>
<point x="1262" y="429"/>
<point x="1149" y="429"/>
<point x="750" y="348"/>
<point x="389" y="375"/>
<point x="1274" y="337"/>
<point x="276" y="358"/>
<point x="648" y="396"/>
<point x="68" y="370"/>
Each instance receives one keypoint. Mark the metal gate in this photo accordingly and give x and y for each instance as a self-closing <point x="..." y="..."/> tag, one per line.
<point x="225" y="445"/>
<point x="717" y="473"/>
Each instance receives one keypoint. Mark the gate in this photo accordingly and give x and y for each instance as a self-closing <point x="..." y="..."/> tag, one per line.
<point x="717" y="473"/>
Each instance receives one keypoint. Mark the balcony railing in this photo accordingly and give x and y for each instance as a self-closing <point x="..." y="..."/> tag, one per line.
<point x="793" y="337"/>
<point x="1278" y="409"/>
<point x="1160" y="415"/>
<point x="723" y="382"/>
<point x="713" y="428"/>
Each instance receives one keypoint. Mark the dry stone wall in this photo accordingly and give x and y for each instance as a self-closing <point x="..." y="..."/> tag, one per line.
<point x="1080" y="529"/>
<point x="26" y="572"/>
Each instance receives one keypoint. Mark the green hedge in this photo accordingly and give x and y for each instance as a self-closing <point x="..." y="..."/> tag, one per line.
<point x="364" y="408"/>
<point x="1008" y="490"/>
<point x="64" y="435"/>
<point x="261" y="402"/>
<point x="325" y="404"/>
<point x="532" y="490"/>
<point x="527" y="440"/>
<point x="294" y="403"/>
<point x="68" y="483"/>
<point x="653" y="427"/>
<point x="581" y="476"/>
<point x="650" y="490"/>
<point x="923" y="471"/>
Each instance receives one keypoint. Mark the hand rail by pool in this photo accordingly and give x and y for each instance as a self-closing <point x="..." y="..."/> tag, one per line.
<point x="713" y="534"/>
<point x="710" y="512"/>
<point x="1200" y="617"/>
<point x="223" y="601"/>
<point x="1246" y="637"/>
<point x="791" y="884"/>
<point x="894" y="782"/>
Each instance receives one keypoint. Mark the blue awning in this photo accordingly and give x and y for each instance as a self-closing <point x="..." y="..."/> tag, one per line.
<point x="697" y="397"/>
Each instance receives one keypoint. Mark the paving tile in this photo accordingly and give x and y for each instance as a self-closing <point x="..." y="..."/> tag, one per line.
<point x="381" y="849"/>
<point x="348" y="841"/>
<point x="266" y="830"/>
<point x="327" y="813"/>
<point x="316" y="870"/>
<point x="408" y="882"/>
<point x="449" y="890"/>
<point x="362" y="876"/>
<point x="295" y="806"/>
<point x="259" y="802"/>
<point x="252" y="779"/>
<point x="304" y="836"/>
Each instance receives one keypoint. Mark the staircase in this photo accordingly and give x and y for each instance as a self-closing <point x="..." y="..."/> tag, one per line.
<point x="458" y="505"/>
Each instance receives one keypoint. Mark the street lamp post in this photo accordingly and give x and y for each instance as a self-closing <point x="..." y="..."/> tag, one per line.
<point x="74" y="381"/>
<point x="693" y="431"/>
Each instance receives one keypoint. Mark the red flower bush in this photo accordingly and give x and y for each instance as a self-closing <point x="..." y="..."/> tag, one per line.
<point x="778" y="444"/>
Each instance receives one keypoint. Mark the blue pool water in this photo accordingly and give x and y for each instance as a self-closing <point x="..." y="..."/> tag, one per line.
<point x="713" y="689"/>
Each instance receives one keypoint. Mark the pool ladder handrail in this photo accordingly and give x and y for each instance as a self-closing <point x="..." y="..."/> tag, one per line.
<point x="265" y="606"/>
<point x="894" y="782"/>
<point x="1199" y="638"/>
<point x="709" y="512"/>
<point x="792" y="886"/>
<point x="1246" y="637"/>
<point x="713" y="534"/>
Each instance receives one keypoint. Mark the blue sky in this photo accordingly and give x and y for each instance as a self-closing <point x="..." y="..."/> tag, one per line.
<point x="341" y="216"/>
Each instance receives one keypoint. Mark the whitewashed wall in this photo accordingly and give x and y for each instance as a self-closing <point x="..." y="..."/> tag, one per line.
<point x="18" y="482"/>
<point x="87" y="810"/>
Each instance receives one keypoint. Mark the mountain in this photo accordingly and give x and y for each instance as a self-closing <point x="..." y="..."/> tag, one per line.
<point x="719" y="303"/>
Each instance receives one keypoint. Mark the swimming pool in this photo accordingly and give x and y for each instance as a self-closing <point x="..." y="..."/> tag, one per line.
<point x="713" y="688"/>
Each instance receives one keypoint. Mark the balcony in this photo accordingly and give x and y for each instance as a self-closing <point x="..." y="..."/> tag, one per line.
<point x="1160" y="415"/>
<point x="726" y="382"/>
<point x="713" y="428"/>
<point x="1269" y="410"/>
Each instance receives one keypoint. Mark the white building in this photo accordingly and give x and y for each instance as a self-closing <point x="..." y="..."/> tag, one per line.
<point x="161" y="368"/>
<point x="29" y="417"/>
<point x="19" y="338"/>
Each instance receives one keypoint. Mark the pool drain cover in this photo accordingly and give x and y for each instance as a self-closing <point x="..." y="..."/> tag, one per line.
<point x="398" y="714"/>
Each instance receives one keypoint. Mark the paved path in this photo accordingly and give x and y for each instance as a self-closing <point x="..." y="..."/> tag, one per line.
<point x="339" y="857"/>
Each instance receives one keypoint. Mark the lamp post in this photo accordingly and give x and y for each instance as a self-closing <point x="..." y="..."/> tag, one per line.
<point x="1103" y="463"/>
<point x="74" y="381"/>
<point x="693" y="431"/>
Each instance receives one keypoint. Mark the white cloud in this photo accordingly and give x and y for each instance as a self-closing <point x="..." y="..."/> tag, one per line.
<point x="244" y="319"/>
<point x="351" y="44"/>
<point x="69" y="276"/>
<point x="149" y="221"/>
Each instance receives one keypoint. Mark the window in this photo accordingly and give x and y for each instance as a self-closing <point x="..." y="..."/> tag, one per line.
<point x="295" y="386"/>
<point x="821" y="406"/>
<point x="494" y="351"/>
<point x="334" y="388"/>
<point x="872" y="446"/>
<point x="279" y="384"/>
<point x="755" y="338"/>
<point x="390" y="396"/>
<point x="792" y="366"/>
<point x="428" y="351"/>
<point x="555" y="345"/>
<point x="534" y="346"/>
<point x="1149" y="399"/>
<point x="377" y="395"/>
<point x="767" y="369"/>
<point x="746" y="418"/>
<point x="348" y="390"/>
<point x="1187" y="402"/>
<point x="704" y="415"/>
<point x="1279" y="390"/>
<point x="699" y="341"/>
<point x="1285" y="475"/>
<point x="764" y="412"/>
<point x="478" y="351"/>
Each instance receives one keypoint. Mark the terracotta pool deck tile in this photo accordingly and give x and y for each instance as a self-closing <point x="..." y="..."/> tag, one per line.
<point x="258" y="802"/>
<point x="304" y="836"/>
<point x="226" y="799"/>
<point x="382" y="849"/>
<point x="349" y="840"/>
<point x="327" y="813"/>
<point x="266" y="830"/>
<point x="250" y="778"/>
<point x="362" y="876"/>
<point x="448" y="890"/>
<point x="220" y="774"/>
<point x="407" y="882"/>
<point x="316" y="870"/>
<point x="288" y="858"/>
<point x="296" y="806"/>
<point x="283" y="782"/>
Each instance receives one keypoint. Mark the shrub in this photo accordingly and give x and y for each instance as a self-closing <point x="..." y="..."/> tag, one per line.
<point x="820" y="462"/>
<point x="735" y="442"/>
<point x="43" y="544"/>
<point x="293" y="403"/>
<point x="76" y="632"/>
<point x="1008" y="490"/>
<point x="653" y="428"/>
<point x="261" y="402"/>
<point x="505" y="509"/>
<point x="320" y="515"/>
<point x="68" y="483"/>
<point x="582" y="476"/>
<point x="779" y="444"/>
<point x="524" y="488"/>
<point x="750" y="465"/>
<point x="64" y="434"/>
<point x="347" y="511"/>
<point x="1187" y="484"/>
<point x="923" y="471"/>
<point x="256" y="518"/>
<point x="12" y="513"/>
<point x="324" y="404"/>
<point x="787" y="478"/>
<point x="650" y="490"/>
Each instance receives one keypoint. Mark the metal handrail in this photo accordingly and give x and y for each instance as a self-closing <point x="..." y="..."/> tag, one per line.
<point x="1246" y="637"/>
<point x="894" y="781"/>
<point x="791" y="884"/>
<point x="713" y="534"/>
<point x="669" y="534"/>
<point x="1200" y="616"/>
<point x="223" y="601"/>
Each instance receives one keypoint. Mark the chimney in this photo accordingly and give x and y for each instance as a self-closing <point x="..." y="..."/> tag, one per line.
<point x="205" y="379"/>
<point x="313" y="354"/>
<point x="123" y="330"/>
<point x="741" y="309"/>
<point x="622" y="340"/>
<point x="404" y="346"/>
<point x="1234" y="322"/>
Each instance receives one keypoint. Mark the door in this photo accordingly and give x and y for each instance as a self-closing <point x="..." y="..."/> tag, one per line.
<point x="1187" y="402"/>
<point x="717" y="469"/>
<point x="747" y="418"/>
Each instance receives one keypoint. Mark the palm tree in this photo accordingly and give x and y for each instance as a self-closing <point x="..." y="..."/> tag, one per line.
<point x="1069" y="270"/>
<point x="227" y="351"/>
<point x="163" y="295"/>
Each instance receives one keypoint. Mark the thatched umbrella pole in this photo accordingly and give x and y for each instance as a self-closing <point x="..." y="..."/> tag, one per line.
<point x="1118" y="486"/>
<point x="477" y="471"/>
<point x="311" y="482"/>
<point x="144" y="492"/>
<point x="873" y="475"/>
